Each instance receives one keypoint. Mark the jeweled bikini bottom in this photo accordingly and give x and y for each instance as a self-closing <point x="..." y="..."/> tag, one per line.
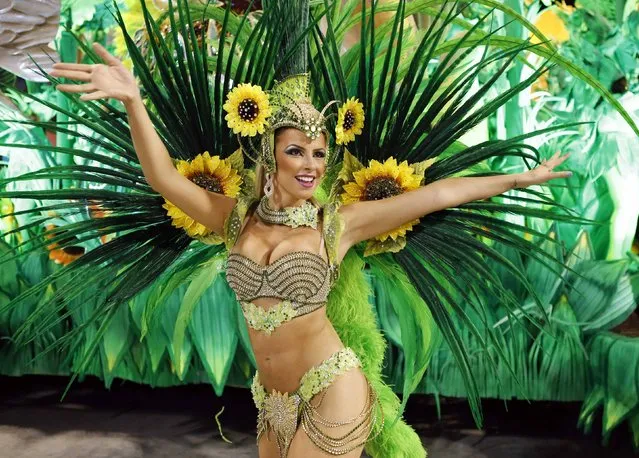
<point x="283" y="412"/>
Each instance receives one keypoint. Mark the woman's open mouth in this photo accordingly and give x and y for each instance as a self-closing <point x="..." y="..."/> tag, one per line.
<point x="306" y="180"/>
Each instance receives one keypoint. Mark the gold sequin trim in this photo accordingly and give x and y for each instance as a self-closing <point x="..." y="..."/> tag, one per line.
<point x="282" y="412"/>
<point x="268" y="320"/>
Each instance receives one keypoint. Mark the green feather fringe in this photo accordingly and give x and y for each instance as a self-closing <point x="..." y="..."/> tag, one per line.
<point x="354" y="320"/>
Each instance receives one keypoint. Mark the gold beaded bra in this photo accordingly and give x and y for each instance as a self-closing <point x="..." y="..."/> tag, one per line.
<point x="300" y="279"/>
<point x="299" y="276"/>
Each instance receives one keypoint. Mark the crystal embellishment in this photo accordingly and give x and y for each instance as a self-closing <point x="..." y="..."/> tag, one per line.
<point x="268" y="320"/>
<point x="281" y="413"/>
<point x="304" y="215"/>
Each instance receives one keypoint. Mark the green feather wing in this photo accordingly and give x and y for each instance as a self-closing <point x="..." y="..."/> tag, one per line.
<point x="418" y="109"/>
<point x="184" y="96"/>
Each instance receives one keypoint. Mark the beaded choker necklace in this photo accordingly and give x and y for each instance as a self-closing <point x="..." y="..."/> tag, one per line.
<point x="304" y="215"/>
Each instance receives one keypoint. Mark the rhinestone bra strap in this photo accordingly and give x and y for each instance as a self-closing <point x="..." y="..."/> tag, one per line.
<point x="235" y="221"/>
<point x="332" y="228"/>
<point x="321" y="246"/>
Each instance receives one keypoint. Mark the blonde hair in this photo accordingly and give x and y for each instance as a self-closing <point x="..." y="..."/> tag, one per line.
<point x="260" y="180"/>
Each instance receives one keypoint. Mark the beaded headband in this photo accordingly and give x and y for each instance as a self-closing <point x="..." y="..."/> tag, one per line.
<point x="251" y="111"/>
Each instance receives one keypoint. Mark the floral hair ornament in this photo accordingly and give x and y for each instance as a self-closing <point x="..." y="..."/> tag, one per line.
<point x="251" y="111"/>
<point x="350" y="121"/>
<point x="248" y="110"/>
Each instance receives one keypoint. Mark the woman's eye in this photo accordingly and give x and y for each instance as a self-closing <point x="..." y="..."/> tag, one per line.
<point x="320" y="154"/>
<point x="294" y="152"/>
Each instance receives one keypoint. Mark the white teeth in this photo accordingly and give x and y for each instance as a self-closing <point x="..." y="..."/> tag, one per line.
<point x="305" y="179"/>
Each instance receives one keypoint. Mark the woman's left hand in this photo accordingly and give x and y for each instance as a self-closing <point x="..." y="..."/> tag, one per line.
<point x="543" y="172"/>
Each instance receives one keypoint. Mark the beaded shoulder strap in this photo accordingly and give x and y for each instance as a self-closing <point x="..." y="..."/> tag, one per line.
<point x="233" y="223"/>
<point x="332" y="227"/>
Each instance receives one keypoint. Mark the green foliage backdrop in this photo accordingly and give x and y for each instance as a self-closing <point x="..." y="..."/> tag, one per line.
<point x="184" y="325"/>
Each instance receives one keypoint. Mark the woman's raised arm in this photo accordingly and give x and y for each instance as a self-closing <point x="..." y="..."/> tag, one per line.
<point x="114" y="80"/>
<point x="365" y="220"/>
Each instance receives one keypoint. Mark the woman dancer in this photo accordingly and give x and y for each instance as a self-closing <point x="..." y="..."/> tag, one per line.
<point x="284" y="254"/>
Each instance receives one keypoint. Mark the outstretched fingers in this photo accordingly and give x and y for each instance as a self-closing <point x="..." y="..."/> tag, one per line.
<point x="94" y="96"/>
<point x="72" y="75"/>
<point x="76" y="87"/>
<point x="556" y="159"/>
<point x="70" y="66"/>
<point x="547" y="165"/>
<point x="105" y="55"/>
<point x="563" y="158"/>
<point x="565" y="174"/>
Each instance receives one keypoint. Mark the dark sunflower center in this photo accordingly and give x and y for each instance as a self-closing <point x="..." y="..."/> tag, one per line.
<point x="248" y="110"/>
<point x="208" y="182"/>
<point x="74" y="250"/>
<point x="381" y="188"/>
<point x="349" y="120"/>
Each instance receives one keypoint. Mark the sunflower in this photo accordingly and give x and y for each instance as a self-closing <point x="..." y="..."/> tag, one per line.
<point x="211" y="173"/>
<point x="379" y="181"/>
<point x="65" y="255"/>
<point x="247" y="110"/>
<point x="350" y="121"/>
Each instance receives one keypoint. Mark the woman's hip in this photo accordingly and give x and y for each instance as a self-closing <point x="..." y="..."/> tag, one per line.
<point x="334" y="404"/>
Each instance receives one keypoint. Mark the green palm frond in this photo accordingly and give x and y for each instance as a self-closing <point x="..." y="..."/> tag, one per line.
<point x="450" y="12"/>
<point x="615" y="367"/>
<point x="418" y="110"/>
<point x="181" y="105"/>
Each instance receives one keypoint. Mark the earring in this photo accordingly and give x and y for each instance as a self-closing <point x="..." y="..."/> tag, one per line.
<point x="268" y="186"/>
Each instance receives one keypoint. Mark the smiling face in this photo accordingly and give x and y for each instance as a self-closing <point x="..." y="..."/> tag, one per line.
<point x="301" y="163"/>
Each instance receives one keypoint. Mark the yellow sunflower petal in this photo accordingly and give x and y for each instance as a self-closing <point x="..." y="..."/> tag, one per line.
<point x="212" y="164"/>
<point x="197" y="164"/>
<point x="397" y="232"/>
<point x="232" y="189"/>
<point x="391" y="162"/>
<point x="390" y="168"/>
<point x="374" y="169"/>
<point x="361" y="177"/>
<point x="183" y="167"/>
<point x="353" y="190"/>
<point x="348" y="199"/>
<point x="223" y="170"/>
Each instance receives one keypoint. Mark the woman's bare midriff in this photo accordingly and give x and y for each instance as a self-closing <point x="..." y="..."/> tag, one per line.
<point x="293" y="348"/>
